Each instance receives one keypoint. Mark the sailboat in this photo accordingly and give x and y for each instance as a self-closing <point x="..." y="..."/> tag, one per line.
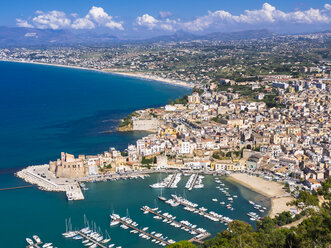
<point x="161" y="197"/>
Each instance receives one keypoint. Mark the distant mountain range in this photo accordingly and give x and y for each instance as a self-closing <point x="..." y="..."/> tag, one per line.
<point x="32" y="36"/>
<point x="17" y="36"/>
<point x="184" y="36"/>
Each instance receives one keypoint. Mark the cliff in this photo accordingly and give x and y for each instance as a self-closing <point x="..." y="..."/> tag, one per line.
<point x="125" y="128"/>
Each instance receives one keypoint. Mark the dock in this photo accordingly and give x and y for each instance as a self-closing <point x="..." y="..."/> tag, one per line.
<point x="173" y="181"/>
<point x="141" y="231"/>
<point x="202" y="212"/>
<point x="173" y="177"/>
<point x="194" y="180"/>
<point x="92" y="240"/>
<point x="172" y="220"/>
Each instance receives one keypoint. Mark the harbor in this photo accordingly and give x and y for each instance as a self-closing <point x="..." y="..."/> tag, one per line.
<point x="105" y="197"/>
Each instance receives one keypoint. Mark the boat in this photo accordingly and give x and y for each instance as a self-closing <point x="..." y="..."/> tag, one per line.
<point x="30" y="241"/>
<point x="214" y="200"/>
<point x="47" y="245"/>
<point x="36" y="238"/>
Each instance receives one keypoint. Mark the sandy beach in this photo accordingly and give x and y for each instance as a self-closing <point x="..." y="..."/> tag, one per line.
<point x="127" y="74"/>
<point x="270" y="189"/>
<point x="150" y="77"/>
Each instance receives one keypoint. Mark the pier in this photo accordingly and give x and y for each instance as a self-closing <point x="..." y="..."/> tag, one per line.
<point x="92" y="240"/>
<point x="173" y="221"/>
<point x="141" y="231"/>
<point x="202" y="212"/>
<point x="193" y="179"/>
<point x="18" y="187"/>
<point x="173" y="177"/>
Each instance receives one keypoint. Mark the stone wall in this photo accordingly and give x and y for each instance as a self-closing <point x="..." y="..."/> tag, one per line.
<point x="146" y="125"/>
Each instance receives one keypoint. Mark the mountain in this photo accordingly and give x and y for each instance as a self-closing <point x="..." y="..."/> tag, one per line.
<point x="242" y="35"/>
<point x="176" y="37"/>
<point x="18" y="36"/>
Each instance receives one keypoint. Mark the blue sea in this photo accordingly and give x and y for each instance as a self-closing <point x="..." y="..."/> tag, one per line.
<point x="46" y="110"/>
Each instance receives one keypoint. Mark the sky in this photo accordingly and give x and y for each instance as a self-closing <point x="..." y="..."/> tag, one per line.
<point x="151" y="17"/>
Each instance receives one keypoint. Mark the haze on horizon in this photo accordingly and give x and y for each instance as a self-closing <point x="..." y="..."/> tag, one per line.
<point x="145" y="18"/>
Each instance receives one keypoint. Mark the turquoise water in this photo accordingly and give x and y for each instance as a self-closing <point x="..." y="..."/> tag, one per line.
<point x="46" y="110"/>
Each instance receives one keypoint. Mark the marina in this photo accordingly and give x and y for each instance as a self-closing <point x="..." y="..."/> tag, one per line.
<point x="192" y="207"/>
<point x="128" y="223"/>
<point x="195" y="181"/>
<point x="184" y="225"/>
<point x="175" y="179"/>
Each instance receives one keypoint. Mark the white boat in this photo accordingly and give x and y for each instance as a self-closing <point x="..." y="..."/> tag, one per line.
<point x="47" y="245"/>
<point x="30" y="241"/>
<point x="111" y="245"/>
<point x="214" y="200"/>
<point x="36" y="238"/>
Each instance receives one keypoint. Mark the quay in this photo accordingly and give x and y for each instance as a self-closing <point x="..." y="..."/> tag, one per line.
<point x="18" y="187"/>
<point x="45" y="180"/>
<point x="92" y="240"/>
<point x="206" y="234"/>
<point x="141" y="231"/>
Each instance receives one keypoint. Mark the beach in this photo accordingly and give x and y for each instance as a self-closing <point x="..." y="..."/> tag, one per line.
<point x="115" y="72"/>
<point x="278" y="196"/>
<point x="150" y="77"/>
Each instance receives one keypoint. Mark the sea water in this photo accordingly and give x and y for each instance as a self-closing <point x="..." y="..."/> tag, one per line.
<point x="46" y="110"/>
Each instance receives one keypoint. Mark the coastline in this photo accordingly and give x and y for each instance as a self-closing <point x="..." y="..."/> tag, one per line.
<point x="270" y="189"/>
<point x="150" y="78"/>
<point x="138" y="75"/>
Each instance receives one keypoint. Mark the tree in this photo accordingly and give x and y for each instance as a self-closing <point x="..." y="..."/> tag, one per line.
<point x="182" y="244"/>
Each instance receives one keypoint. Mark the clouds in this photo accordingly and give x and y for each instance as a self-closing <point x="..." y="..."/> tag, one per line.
<point x="23" y="23"/>
<point x="52" y="19"/>
<point x="267" y="16"/>
<point x="96" y="17"/>
<point x="147" y="21"/>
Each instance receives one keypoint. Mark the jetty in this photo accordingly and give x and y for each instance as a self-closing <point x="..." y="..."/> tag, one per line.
<point x="118" y="219"/>
<point x="202" y="211"/>
<point x="171" y="181"/>
<point x="175" y="178"/>
<point x="192" y="181"/>
<point x="18" y="187"/>
<point x="45" y="180"/>
<point x="181" y="224"/>
<point x="91" y="240"/>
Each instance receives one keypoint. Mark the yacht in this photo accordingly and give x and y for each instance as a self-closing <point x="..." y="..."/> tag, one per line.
<point x="47" y="245"/>
<point x="30" y="241"/>
<point x="36" y="238"/>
